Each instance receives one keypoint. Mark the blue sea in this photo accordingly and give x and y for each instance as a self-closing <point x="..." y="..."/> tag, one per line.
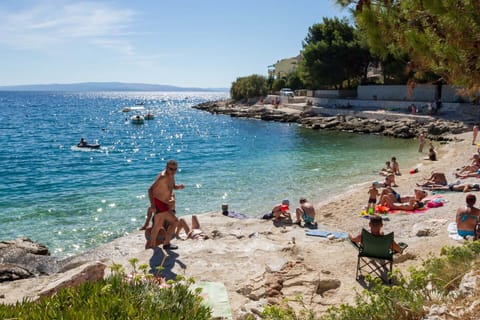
<point x="74" y="199"/>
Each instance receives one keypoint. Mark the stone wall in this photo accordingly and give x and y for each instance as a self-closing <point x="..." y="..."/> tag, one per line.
<point x="396" y="92"/>
<point x="421" y="92"/>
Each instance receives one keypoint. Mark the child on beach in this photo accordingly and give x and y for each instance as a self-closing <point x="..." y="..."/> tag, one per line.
<point x="395" y="167"/>
<point x="372" y="198"/>
<point x="387" y="170"/>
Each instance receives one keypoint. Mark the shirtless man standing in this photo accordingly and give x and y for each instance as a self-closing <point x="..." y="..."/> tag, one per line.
<point x="162" y="201"/>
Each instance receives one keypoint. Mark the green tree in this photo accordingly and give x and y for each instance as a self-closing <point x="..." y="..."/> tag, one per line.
<point x="333" y="56"/>
<point x="294" y="81"/>
<point x="278" y="84"/>
<point x="439" y="36"/>
<point x="249" y="87"/>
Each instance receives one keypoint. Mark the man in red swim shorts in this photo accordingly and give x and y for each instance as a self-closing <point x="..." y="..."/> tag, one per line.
<point x="162" y="202"/>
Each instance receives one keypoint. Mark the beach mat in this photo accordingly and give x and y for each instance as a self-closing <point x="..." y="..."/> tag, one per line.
<point x="324" y="234"/>
<point x="215" y="296"/>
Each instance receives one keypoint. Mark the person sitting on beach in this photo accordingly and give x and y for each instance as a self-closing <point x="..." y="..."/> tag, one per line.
<point x="390" y="181"/>
<point x="436" y="179"/>
<point x="465" y="187"/>
<point x="467" y="217"/>
<point x="376" y="224"/>
<point x="395" y="167"/>
<point x="282" y="211"/>
<point x="386" y="170"/>
<point x="432" y="155"/>
<point x="306" y="212"/>
<point x="195" y="232"/>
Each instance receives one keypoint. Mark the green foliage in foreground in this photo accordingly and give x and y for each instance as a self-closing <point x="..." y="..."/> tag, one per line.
<point x="429" y="284"/>
<point x="120" y="296"/>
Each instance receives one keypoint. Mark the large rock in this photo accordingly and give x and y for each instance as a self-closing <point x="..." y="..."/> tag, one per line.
<point x="22" y="258"/>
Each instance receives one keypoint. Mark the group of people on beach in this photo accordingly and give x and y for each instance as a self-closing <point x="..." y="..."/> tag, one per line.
<point x="162" y="224"/>
<point x="305" y="212"/>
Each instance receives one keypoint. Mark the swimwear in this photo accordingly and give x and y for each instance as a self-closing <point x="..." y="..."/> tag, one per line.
<point x="160" y="205"/>
<point x="476" y="186"/>
<point x="396" y="195"/>
<point x="450" y="186"/>
<point x="466" y="216"/>
<point x="420" y="204"/>
<point x="307" y="219"/>
<point x="464" y="233"/>
<point x="372" y="200"/>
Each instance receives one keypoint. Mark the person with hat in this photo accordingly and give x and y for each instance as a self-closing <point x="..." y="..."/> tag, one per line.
<point x="282" y="210"/>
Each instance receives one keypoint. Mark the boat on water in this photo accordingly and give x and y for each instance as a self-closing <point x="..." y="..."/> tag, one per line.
<point x="149" y="116"/>
<point x="133" y="108"/>
<point x="85" y="144"/>
<point x="137" y="119"/>
<point x="140" y="103"/>
<point x="89" y="146"/>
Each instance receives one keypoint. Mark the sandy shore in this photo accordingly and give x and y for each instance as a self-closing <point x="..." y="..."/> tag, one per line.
<point x="259" y="262"/>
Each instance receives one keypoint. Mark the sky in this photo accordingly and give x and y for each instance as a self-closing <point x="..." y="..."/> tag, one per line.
<point x="186" y="43"/>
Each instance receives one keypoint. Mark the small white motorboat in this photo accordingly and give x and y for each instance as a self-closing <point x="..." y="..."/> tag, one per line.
<point x="137" y="119"/>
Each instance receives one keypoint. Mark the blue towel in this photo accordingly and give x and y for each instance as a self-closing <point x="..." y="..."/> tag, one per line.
<point x="237" y="215"/>
<point x="324" y="234"/>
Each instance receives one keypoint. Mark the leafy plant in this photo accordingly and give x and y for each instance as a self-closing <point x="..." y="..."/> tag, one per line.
<point x="120" y="296"/>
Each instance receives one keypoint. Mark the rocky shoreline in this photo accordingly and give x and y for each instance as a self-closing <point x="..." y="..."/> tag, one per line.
<point x="396" y="125"/>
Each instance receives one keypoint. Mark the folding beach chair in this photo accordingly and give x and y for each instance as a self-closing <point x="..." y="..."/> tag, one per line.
<point x="375" y="256"/>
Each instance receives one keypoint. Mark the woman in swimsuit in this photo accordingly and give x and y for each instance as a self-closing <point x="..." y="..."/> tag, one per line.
<point x="467" y="217"/>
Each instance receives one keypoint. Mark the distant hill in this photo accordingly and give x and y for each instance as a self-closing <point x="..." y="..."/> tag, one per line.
<point x="104" y="86"/>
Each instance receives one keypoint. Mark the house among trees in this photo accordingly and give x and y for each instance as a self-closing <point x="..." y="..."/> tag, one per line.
<point x="284" y="67"/>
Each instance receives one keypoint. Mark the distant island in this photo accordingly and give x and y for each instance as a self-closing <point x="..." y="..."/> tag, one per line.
<point x="105" y="86"/>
